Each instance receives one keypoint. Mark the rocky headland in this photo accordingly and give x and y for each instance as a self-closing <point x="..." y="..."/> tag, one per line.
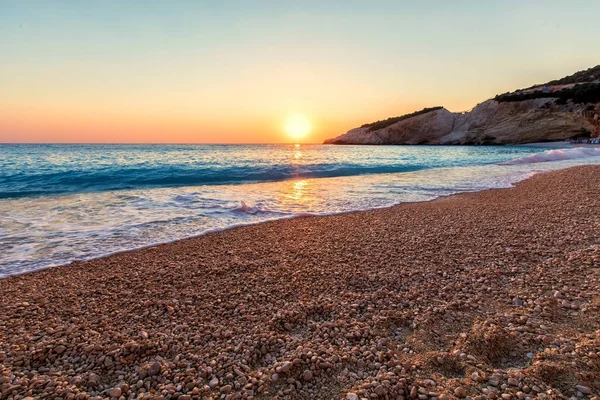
<point x="563" y="109"/>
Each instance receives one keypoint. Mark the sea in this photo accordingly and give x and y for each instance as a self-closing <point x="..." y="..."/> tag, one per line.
<point x="60" y="203"/>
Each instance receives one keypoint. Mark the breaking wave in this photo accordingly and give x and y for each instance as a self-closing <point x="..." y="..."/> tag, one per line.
<point x="24" y="184"/>
<point x="556" y="155"/>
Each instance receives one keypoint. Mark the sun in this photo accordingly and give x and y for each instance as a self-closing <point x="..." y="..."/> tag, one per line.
<point x="297" y="126"/>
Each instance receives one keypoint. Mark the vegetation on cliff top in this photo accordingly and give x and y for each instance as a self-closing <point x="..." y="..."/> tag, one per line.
<point x="384" y="123"/>
<point x="582" y="93"/>
<point x="588" y="75"/>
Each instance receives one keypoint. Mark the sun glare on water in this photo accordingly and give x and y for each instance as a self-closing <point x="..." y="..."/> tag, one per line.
<point x="297" y="126"/>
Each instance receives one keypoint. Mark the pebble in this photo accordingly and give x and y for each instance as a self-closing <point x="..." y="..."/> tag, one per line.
<point x="518" y="302"/>
<point x="154" y="369"/>
<point x="60" y="349"/>
<point x="93" y="378"/>
<point x="460" y="392"/>
<point x="494" y="381"/>
<point x="226" y="389"/>
<point x="286" y="367"/>
<point x="307" y="376"/>
<point x="414" y="392"/>
<point x="583" y="389"/>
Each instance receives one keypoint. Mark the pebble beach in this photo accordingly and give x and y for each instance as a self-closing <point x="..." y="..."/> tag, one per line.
<point x="487" y="295"/>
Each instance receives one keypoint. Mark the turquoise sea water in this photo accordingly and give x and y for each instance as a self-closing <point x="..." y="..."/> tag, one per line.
<point x="34" y="170"/>
<point x="59" y="203"/>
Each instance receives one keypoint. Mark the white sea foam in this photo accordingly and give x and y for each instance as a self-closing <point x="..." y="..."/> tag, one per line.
<point x="556" y="155"/>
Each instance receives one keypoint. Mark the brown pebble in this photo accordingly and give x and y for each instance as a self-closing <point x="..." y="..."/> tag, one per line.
<point x="307" y="376"/>
<point x="226" y="389"/>
<point x="154" y="369"/>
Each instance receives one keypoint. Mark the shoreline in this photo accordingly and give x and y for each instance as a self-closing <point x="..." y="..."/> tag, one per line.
<point x="241" y="225"/>
<point x="457" y="291"/>
<point x="559" y="144"/>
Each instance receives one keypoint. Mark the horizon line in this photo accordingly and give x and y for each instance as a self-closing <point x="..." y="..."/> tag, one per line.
<point x="154" y="143"/>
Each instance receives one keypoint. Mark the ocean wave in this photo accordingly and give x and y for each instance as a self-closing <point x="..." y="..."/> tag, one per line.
<point x="556" y="155"/>
<point x="122" y="178"/>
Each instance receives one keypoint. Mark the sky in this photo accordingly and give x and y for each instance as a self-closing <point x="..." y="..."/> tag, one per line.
<point x="227" y="71"/>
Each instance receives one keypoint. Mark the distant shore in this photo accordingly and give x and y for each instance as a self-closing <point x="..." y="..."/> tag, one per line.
<point x="492" y="294"/>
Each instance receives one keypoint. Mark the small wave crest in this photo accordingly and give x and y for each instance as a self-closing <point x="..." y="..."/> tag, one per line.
<point x="245" y="208"/>
<point x="556" y="155"/>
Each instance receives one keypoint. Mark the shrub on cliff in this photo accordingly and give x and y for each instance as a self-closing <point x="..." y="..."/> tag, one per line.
<point x="582" y="93"/>
<point x="384" y="123"/>
<point x="588" y="75"/>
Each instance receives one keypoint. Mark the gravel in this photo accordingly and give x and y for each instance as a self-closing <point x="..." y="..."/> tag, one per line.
<point x="493" y="295"/>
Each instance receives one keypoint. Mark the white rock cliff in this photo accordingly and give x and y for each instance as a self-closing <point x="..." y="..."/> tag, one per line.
<point x="491" y="122"/>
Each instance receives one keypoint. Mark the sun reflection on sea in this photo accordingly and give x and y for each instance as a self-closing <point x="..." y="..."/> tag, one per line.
<point x="297" y="194"/>
<point x="299" y="189"/>
<point x="297" y="152"/>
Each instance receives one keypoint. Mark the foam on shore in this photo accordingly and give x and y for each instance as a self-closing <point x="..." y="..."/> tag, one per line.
<point x="556" y="155"/>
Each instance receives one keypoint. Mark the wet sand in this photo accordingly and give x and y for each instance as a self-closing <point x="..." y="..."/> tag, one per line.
<point x="493" y="294"/>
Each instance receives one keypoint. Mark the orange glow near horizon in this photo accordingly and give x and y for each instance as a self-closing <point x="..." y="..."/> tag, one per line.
<point x="105" y="125"/>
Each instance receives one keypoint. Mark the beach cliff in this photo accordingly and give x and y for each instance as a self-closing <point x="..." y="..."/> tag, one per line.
<point x="558" y="110"/>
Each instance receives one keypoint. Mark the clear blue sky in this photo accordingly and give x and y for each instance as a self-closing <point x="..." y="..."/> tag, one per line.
<point x="218" y="71"/>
